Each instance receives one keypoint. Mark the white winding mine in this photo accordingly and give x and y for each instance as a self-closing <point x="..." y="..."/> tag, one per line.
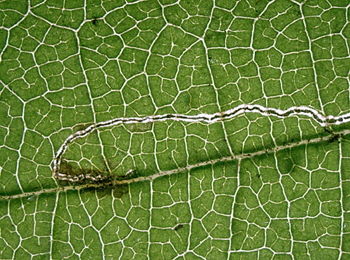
<point x="205" y="118"/>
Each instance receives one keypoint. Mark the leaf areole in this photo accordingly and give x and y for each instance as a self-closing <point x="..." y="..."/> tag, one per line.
<point x="80" y="127"/>
<point x="285" y="163"/>
<point x="178" y="227"/>
<point x="65" y="167"/>
<point x="120" y="190"/>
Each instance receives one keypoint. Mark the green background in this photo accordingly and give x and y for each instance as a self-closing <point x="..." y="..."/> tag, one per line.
<point x="67" y="64"/>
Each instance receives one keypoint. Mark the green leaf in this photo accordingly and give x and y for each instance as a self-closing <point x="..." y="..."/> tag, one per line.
<point x="174" y="129"/>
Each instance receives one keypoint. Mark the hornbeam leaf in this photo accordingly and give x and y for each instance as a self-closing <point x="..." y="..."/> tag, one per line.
<point x="174" y="129"/>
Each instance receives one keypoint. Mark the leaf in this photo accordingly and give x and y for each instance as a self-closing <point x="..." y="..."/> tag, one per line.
<point x="163" y="129"/>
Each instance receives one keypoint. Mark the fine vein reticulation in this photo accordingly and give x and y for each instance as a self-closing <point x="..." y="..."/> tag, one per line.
<point x="204" y="118"/>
